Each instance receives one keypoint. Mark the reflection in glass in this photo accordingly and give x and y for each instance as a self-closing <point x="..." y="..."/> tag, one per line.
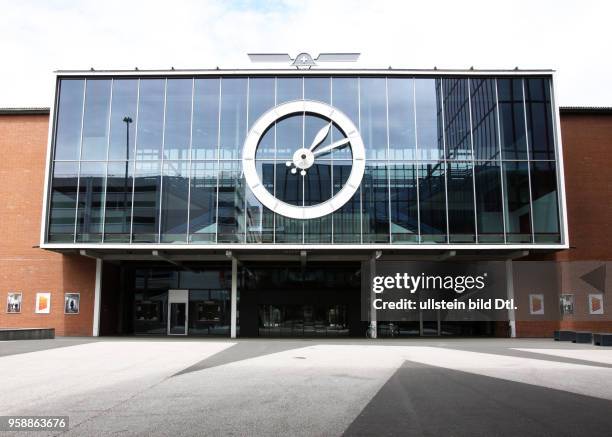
<point x="122" y="130"/>
<point x="178" y="118"/>
<point x="203" y="205"/>
<point x="432" y="202"/>
<point x="489" y="209"/>
<point x="318" y="189"/>
<point x="460" y="190"/>
<point x="69" y="114"/>
<point x="428" y="119"/>
<point x="457" y="118"/>
<point x="150" y="119"/>
<point x="518" y="212"/>
<point x="175" y="198"/>
<point x="374" y="188"/>
<point x="145" y="226"/>
<point x="545" y="206"/>
<point x="118" y="210"/>
<point x="402" y="139"/>
<point x="512" y="118"/>
<point x="63" y="201"/>
<point x="404" y="203"/>
<point x="205" y="138"/>
<point x="373" y="123"/>
<point x="484" y="118"/>
<point x="259" y="219"/>
<point x="230" y="203"/>
<point x="91" y="201"/>
<point x="261" y="99"/>
<point x="347" y="219"/>
<point x="95" y="120"/>
<point x="289" y="188"/>
<point x="233" y="117"/>
<point x="539" y="118"/>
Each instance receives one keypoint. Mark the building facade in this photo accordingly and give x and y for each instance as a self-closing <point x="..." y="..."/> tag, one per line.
<point x="258" y="203"/>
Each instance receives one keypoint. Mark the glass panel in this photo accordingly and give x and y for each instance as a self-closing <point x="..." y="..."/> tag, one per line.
<point x="289" y="131"/>
<point x="63" y="202"/>
<point x="457" y="118"/>
<point x="178" y="318"/>
<point x="489" y="207"/>
<point x="404" y="203"/>
<point x="231" y="203"/>
<point x="428" y="119"/>
<point x="402" y="139"/>
<point x="233" y="117"/>
<point x="150" y="313"/>
<point x="91" y="201"/>
<point x="123" y="117"/>
<point x="373" y="114"/>
<point x="375" y="190"/>
<point x="347" y="220"/>
<point x="69" y="114"/>
<point x="518" y="212"/>
<point x="512" y="118"/>
<point x="260" y="220"/>
<point x="118" y="212"/>
<point x="203" y="214"/>
<point x="432" y="202"/>
<point x="484" y="119"/>
<point x="178" y="118"/>
<point x="545" y="207"/>
<point x="539" y="119"/>
<point x="261" y="99"/>
<point x="461" y="219"/>
<point x="150" y="119"/>
<point x="145" y="225"/>
<point x="289" y="189"/>
<point x="95" y="120"/>
<point x="318" y="189"/>
<point x="205" y="118"/>
<point x="209" y="310"/>
<point x="175" y="198"/>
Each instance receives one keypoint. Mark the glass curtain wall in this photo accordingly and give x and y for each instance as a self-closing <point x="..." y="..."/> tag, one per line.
<point x="449" y="160"/>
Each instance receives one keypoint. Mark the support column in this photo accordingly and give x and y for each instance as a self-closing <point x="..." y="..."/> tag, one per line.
<point x="234" y="297"/>
<point x="510" y="295"/>
<point x="373" y="321"/>
<point x="97" y="293"/>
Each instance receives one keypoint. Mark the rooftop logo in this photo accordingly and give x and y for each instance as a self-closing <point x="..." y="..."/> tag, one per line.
<point x="303" y="60"/>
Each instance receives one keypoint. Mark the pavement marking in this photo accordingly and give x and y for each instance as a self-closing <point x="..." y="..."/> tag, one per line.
<point x="594" y="355"/>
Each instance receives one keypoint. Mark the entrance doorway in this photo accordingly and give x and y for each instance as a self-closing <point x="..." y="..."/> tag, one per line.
<point x="178" y="316"/>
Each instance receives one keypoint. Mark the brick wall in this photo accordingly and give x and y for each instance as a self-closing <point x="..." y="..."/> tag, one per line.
<point x="24" y="267"/>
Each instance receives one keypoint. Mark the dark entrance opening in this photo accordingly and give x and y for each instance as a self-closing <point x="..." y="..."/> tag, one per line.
<point x="295" y="300"/>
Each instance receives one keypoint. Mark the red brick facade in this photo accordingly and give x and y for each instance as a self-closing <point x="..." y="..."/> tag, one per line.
<point x="24" y="267"/>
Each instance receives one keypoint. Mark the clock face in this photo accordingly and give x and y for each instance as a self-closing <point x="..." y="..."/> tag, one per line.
<point x="301" y="160"/>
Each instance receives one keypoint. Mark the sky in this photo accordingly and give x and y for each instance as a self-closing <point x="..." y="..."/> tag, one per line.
<point x="571" y="37"/>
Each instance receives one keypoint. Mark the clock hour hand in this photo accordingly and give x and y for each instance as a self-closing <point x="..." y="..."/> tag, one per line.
<point x="332" y="146"/>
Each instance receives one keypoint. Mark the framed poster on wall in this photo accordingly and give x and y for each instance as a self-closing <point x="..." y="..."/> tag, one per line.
<point x="43" y="303"/>
<point x="72" y="301"/>
<point x="13" y="302"/>
<point x="566" y="304"/>
<point x="536" y="304"/>
<point x="596" y="304"/>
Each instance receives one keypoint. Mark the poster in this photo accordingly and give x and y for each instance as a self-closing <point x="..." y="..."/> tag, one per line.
<point x="536" y="304"/>
<point x="566" y="304"/>
<point x="13" y="303"/>
<point x="71" y="303"/>
<point x="596" y="304"/>
<point x="43" y="303"/>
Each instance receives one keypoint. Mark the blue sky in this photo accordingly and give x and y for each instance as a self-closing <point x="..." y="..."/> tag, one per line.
<point x="569" y="36"/>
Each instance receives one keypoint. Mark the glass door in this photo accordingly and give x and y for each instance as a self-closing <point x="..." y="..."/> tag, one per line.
<point x="178" y="316"/>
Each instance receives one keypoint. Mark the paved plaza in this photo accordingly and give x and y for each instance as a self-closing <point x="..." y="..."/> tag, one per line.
<point x="175" y="387"/>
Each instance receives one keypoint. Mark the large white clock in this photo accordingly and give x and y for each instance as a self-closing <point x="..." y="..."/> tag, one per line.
<point x="305" y="157"/>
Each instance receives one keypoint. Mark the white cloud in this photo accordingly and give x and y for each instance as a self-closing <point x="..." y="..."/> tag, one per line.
<point x="571" y="37"/>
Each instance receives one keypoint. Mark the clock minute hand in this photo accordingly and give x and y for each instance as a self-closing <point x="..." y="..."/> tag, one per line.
<point x="332" y="146"/>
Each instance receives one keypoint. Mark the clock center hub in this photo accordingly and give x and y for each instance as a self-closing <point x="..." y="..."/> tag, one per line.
<point x="303" y="159"/>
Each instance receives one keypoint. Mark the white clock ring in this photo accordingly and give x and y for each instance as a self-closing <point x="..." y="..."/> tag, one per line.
<point x="332" y="115"/>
